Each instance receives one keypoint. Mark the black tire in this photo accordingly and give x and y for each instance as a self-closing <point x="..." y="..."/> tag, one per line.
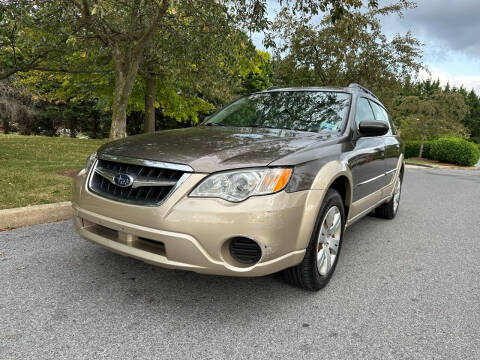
<point x="388" y="210"/>
<point x="306" y="274"/>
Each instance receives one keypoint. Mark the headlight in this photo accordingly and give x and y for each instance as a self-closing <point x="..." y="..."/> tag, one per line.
<point x="90" y="160"/>
<point x="239" y="185"/>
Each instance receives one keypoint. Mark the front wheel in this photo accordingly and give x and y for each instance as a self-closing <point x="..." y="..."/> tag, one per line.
<point x="389" y="209"/>
<point x="321" y="256"/>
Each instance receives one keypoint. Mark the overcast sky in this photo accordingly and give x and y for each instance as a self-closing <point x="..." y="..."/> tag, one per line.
<point x="450" y="32"/>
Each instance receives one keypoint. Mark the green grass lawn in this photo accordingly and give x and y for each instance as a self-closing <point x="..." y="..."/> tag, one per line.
<point x="31" y="168"/>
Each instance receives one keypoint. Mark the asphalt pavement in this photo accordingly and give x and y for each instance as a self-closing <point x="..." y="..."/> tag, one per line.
<point x="407" y="288"/>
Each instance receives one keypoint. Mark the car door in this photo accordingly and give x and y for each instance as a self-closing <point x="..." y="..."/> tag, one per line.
<point x="391" y="140"/>
<point x="367" y="160"/>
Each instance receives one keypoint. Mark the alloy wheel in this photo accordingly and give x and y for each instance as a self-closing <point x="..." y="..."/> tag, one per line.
<point x="396" y="195"/>
<point x="329" y="240"/>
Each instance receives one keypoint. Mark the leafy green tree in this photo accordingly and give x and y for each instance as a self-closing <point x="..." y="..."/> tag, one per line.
<point x="39" y="34"/>
<point x="73" y="101"/>
<point x="472" y="120"/>
<point x="127" y="29"/>
<point x="431" y="116"/>
<point x="428" y="87"/>
<point x="260" y="76"/>
<point x="177" y="59"/>
<point x="33" y="35"/>
<point x="184" y="88"/>
<point x="353" y="49"/>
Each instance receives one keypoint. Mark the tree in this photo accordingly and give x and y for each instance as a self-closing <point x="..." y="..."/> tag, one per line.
<point x="127" y="28"/>
<point x="33" y="35"/>
<point x="431" y="116"/>
<point x="353" y="49"/>
<point x="188" y="82"/>
<point x="178" y="58"/>
<point x="17" y="109"/>
<point x="124" y="29"/>
<point x="79" y="102"/>
<point x="260" y="76"/>
<point x="472" y="120"/>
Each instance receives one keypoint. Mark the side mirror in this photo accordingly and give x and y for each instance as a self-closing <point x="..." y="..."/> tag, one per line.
<point x="372" y="128"/>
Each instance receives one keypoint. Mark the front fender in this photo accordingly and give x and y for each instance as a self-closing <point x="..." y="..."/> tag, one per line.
<point x="321" y="182"/>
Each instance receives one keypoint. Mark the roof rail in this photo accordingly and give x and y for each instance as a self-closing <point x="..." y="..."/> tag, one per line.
<point x="355" y="85"/>
<point x="273" y="88"/>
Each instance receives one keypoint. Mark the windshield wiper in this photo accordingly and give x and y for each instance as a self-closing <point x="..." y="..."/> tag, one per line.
<point x="263" y="126"/>
<point x="214" y="124"/>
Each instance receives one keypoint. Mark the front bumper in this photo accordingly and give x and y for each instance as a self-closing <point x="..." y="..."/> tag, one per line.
<point x="193" y="233"/>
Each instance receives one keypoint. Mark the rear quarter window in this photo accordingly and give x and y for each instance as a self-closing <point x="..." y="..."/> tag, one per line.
<point x="363" y="111"/>
<point x="382" y="115"/>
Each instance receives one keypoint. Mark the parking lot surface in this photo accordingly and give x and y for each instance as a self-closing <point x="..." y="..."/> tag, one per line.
<point x="408" y="288"/>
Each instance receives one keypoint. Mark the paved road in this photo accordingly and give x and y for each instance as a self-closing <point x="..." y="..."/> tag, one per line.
<point x="404" y="289"/>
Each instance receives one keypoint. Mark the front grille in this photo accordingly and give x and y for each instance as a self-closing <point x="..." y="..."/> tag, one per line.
<point x="245" y="250"/>
<point x="151" y="185"/>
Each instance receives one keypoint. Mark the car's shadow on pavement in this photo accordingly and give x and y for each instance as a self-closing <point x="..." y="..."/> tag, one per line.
<point x="131" y="282"/>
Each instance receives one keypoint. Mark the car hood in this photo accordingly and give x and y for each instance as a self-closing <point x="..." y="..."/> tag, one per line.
<point x="210" y="149"/>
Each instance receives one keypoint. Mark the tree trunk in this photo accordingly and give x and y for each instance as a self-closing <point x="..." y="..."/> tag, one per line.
<point x="150" y="97"/>
<point x="124" y="81"/>
<point x="422" y="141"/>
<point x="95" y="127"/>
<point x="73" y="127"/>
<point x="126" y="64"/>
<point x="420" y="152"/>
<point x="126" y="70"/>
<point x="5" y="115"/>
<point x="6" y="125"/>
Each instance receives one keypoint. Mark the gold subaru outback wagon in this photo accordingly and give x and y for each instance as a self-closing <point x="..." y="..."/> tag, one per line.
<point x="269" y="183"/>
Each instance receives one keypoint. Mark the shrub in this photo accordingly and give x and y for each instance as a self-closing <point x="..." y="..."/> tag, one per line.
<point x="455" y="151"/>
<point x="475" y="139"/>
<point x="413" y="147"/>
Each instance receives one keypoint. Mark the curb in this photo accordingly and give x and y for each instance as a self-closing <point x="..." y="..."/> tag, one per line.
<point x="36" y="214"/>
<point x="422" y="165"/>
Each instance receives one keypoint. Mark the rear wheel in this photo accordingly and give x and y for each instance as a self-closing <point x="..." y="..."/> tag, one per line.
<point x="389" y="209"/>
<point x="321" y="256"/>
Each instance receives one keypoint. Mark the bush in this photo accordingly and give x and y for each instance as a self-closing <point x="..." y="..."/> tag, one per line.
<point x="413" y="147"/>
<point x="455" y="151"/>
<point x="475" y="139"/>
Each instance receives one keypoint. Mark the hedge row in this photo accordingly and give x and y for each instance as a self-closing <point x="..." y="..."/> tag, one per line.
<point x="451" y="150"/>
<point x="412" y="149"/>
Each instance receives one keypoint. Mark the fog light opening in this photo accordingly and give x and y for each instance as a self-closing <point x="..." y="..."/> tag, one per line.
<point x="245" y="250"/>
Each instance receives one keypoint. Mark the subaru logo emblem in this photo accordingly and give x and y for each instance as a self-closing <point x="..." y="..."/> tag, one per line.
<point x="123" y="180"/>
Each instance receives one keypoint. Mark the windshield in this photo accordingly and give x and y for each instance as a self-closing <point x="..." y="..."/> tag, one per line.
<point x="313" y="111"/>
